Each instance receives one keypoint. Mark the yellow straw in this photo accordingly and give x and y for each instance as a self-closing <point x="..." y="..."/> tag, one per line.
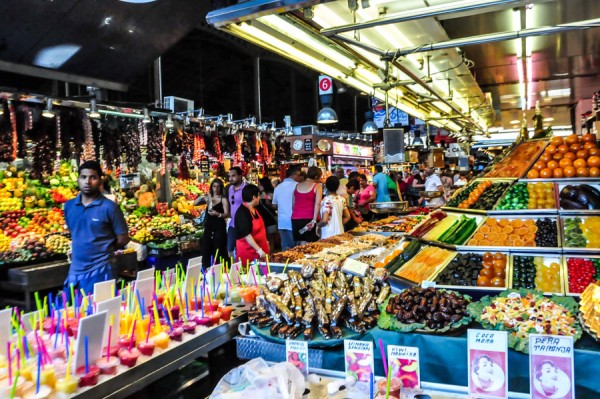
<point x="156" y="319"/>
<point x="268" y="264"/>
<point x="69" y="357"/>
<point x="286" y="265"/>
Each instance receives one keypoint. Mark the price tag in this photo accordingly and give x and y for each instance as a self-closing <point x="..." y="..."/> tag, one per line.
<point x="551" y="366"/>
<point x="355" y="267"/>
<point x="488" y="363"/>
<point x="296" y="352"/>
<point x="403" y="361"/>
<point x="93" y="328"/>
<point x="358" y="358"/>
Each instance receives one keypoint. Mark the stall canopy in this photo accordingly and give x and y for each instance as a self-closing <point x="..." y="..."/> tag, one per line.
<point x="466" y="64"/>
<point x="104" y="43"/>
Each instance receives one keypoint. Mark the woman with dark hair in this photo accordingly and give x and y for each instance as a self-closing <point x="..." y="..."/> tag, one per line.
<point x="215" y="228"/>
<point x="251" y="243"/>
<point x="266" y="209"/>
<point x="334" y="212"/>
<point x="366" y="195"/>
<point x="307" y="202"/>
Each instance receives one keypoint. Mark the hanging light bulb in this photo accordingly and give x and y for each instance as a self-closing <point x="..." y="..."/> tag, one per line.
<point x="169" y="123"/>
<point x="341" y="136"/>
<point x="327" y="116"/>
<point x="48" y="113"/>
<point x="146" y="118"/>
<point x="94" y="114"/>
<point x="229" y="119"/>
<point x="201" y="114"/>
<point x="349" y="138"/>
<point x="253" y="122"/>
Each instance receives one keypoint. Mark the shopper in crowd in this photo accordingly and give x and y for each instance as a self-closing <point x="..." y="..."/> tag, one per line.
<point x="307" y="202"/>
<point x="416" y="186"/>
<point x="404" y="181"/>
<point x="339" y="173"/>
<point x="456" y="176"/>
<point x="234" y="196"/>
<point x="447" y="182"/>
<point x="215" y="228"/>
<point x="353" y="176"/>
<point x="393" y="186"/>
<point x="275" y="182"/>
<point x="98" y="229"/>
<point x="267" y="211"/>
<point x="283" y="198"/>
<point x="433" y="183"/>
<point x="352" y="188"/>
<point x="302" y="177"/>
<point x="381" y="185"/>
<point x="462" y="180"/>
<point x="251" y="243"/>
<point x="366" y="195"/>
<point x="334" y="212"/>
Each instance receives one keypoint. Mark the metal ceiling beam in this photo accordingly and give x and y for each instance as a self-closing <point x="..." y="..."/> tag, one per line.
<point x="426" y="12"/>
<point x="52" y="74"/>
<point x="254" y="9"/>
<point x="494" y="37"/>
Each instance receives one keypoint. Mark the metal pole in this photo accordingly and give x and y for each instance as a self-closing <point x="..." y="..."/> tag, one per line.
<point x="257" y="103"/>
<point x="158" y="89"/>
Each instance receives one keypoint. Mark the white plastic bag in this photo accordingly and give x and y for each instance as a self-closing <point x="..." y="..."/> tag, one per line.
<point x="256" y="379"/>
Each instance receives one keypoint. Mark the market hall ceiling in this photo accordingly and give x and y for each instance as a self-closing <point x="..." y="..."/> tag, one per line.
<point x="555" y="61"/>
<point x="106" y="42"/>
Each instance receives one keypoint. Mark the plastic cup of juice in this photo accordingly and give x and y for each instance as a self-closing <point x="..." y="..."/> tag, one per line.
<point x="226" y="312"/>
<point x="161" y="340"/>
<point x="66" y="385"/>
<point x="108" y="366"/>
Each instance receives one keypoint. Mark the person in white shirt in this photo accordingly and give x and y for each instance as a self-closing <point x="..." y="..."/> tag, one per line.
<point x="434" y="183"/>
<point x="334" y="210"/>
<point x="283" y="199"/>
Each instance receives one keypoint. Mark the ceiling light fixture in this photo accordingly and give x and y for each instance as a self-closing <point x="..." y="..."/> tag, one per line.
<point x="48" y="113"/>
<point x="169" y="123"/>
<point x="327" y="116"/>
<point x="146" y="118"/>
<point x="417" y="141"/>
<point x="349" y="138"/>
<point x="94" y="114"/>
<point x="369" y="127"/>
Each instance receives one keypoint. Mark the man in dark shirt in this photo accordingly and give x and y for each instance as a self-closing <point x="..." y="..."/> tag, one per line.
<point x="97" y="227"/>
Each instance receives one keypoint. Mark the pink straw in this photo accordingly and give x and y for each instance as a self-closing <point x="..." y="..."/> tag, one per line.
<point x="132" y="333"/>
<point x="108" y="344"/>
<point x="209" y="300"/>
<point x="18" y="360"/>
<point x="9" y="357"/>
<point x="254" y="277"/>
<point x="383" y="358"/>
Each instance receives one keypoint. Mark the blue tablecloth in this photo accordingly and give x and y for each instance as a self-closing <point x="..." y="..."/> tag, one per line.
<point x="444" y="361"/>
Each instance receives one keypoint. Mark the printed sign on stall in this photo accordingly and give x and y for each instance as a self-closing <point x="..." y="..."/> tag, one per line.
<point x="403" y="362"/>
<point x="358" y="358"/>
<point x="551" y="367"/>
<point x="296" y="352"/>
<point x="488" y="364"/>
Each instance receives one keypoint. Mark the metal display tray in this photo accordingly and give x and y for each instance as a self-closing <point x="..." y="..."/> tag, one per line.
<point x="565" y="258"/>
<point x="478" y="217"/>
<point x="387" y="207"/>
<point x="575" y="250"/>
<point x="544" y="211"/>
<point x="594" y="182"/>
<point x="548" y="258"/>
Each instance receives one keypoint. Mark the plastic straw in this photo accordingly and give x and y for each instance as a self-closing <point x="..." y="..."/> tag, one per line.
<point x="108" y="343"/>
<point x="69" y="357"/>
<point x="14" y="385"/>
<point x="216" y="290"/>
<point x="226" y="293"/>
<point x="87" y="360"/>
<point x="168" y="322"/>
<point x="268" y="264"/>
<point x="286" y="265"/>
<point x="187" y="310"/>
<point x="72" y="293"/>
<point x="371" y="386"/>
<point x="132" y="333"/>
<point x="9" y="357"/>
<point x="149" y="327"/>
<point x="57" y="330"/>
<point x="387" y="386"/>
<point x="216" y="257"/>
<point x="155" y="310"/>
<point x="18" y="361"/>
<point x="39" y="373"/>
<point x="139" y="300"/>
<point x="254" y="277"/>
<point x="195" y="295"/>
<point x="383" y="357"/>
<point x="209" y="300"/>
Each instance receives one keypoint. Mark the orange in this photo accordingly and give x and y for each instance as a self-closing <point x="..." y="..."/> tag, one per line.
<point x="556" y="141"/>
<point x="517" y="223"/>
<point x="532" y="228"/>
<point x="529" y="222"/>
<point x="563" y="148"/>
<point x="558" y="156"/>
<point x="584" y="154"/>
<point x="533" y="174"/>
<point x="472" y="242"/>
<point x="518" y="243"/>
<point x="575" y="147"/>
<point x="570" y="155"/>
<point x="594" y="171"/>
<point x="478" y="236"/>
<point x="558" y="173"/>
<point x="503" y="222"/>
<point x="539" y="165"/>
<point x="552" y="165"/>
<point x="546" y="173"/>
<point x="580" y="163"/>
<point x="529" y="237"/>
<point x="572" y="139"/>
<point x="594" y="161"/>
<point x="569" y="171"/>
<point x="496" y="229"/>
<point x="523" y="231"/>
<point x="565" y="162"/>
<point x="594" y="151"/>
<point x="588" y="138"/>
<point x="507" y="229"/>
<point x="491" y="221"/>
<point x="582" y="172"/>
<point x="502" y="236"/>
<point x="546" y="157"/>
<point x="551" y="149"/>
<point x="484" y="230"/>
<point x="484" y="243"/>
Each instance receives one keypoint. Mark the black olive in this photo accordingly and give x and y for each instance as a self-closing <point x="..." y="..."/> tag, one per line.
<point x="437" y="316"/>
<point x="411" y="321"/>
<point x="455" y="317"/>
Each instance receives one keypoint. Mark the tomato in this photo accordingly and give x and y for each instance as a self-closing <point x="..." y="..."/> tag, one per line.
<point x="551" y="149"/>
<point x="575" y="147"/>
<point x="552" y="165"/>
<point x="594" y="161"/>
<point x="594" y="151"/>
<point x="557" y="141"/>
<point x="570" y="155"/>
<point x="546" y="173"/>
<point x="569" y="171"/>
<point x="572" y="139"/>
<point x="546" y="158"/>
<point x="539" y="165"/>
<point x="558" y="156"/>
<point x="582" y="172"/>
<point x="588" y="145"/>
<point x="588" y="138"/>
<point x="563" y="148"/>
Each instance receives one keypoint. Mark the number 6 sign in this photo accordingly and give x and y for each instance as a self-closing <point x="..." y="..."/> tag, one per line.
<point x="325" y="85"/>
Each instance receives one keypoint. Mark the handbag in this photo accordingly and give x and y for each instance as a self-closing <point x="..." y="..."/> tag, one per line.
<point x="200" y="220"/>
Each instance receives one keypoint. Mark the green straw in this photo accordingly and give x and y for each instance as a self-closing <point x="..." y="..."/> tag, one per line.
<point x="38" y="303"/>
<point x="72" y="294"/>
<point x="387" y="386"/>
<point x="14" y="386"/>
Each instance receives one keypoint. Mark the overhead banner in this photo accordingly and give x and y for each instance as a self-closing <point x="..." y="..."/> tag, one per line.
<point x="352" y="150"/>
<point x="325" y="85"/>
<point x="397" y="117"/>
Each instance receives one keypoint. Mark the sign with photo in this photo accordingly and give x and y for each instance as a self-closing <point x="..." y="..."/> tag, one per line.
<point x="488" y="363"/>
<point x="551" y="370"/>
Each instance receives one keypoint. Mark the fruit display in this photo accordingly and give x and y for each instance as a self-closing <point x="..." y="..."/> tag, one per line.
<point x="408" y="252"/>
<point x="523" y="272"/>
<point x="474" y="269"/>
<point x="428" y="225"/>
<point x="190" y="189"/>
<point x="579" y="197"/>
<point x="493" y="270"/>
<point x="589" y="308"/>
<point x="529" y="196"/>
<point x="547" y="274"/>
<point x="462" y="195"/>
<point x="516" y="163"/>
<point x="424" y="264"/>
<point x="547" y="233"/>
<point x="521" y="312"/>
<point x="582" y="232"/>
<point x="454" y="230"/>
<point x="570" y="157"/>
<point x="505" y="233"/>
<point x="312" y="300"/>
<point x="581" y="273"/>
<point x="484" y="196"/>
<point x="393" y="224"/>
<point x="58" y="243"/>
<point x="429" y="309"/>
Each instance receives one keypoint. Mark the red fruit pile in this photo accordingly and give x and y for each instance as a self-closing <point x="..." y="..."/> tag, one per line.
<point x="581" y="274"/>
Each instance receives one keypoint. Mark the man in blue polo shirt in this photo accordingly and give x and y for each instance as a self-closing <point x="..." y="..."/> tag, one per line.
<point x="97" y="227"/>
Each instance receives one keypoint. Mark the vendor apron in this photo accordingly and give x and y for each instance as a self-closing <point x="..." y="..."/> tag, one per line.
<point x="245" y="252"/>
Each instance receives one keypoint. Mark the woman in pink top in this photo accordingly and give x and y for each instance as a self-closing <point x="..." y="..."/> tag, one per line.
<point x="305" y="209"/>
<point x="366" y="195"/>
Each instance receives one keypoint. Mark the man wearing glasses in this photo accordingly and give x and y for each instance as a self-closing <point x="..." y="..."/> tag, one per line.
<point x="234" y="196"/>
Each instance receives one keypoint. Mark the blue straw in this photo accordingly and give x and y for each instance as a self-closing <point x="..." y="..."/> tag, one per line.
<point x="57" y="330"/>
<point x="85" y="345"/>
<point x="39" y="373"/>
<point x="217" y="290"/>
<point x="371" y="386"/>
<point x="187" y="310"/>
<point x="195" y="296"/>
<point x="167" y="317"/>
<point x="139" y="298"/>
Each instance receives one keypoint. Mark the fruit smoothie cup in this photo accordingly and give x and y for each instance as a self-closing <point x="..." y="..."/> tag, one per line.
<point x="129" y="357"/>
<point x="44" y="392"/>
<point x="248" y="294"/>
<point x="6" y="388"/>
<point x="146" y="348"/>
<point x="395" y="387"/>
<point x="234" y="295"/>
<point x="58" y="352"/>
<point x="211" y="305"/>
<point x="176" y="334"/>
<point x="215" y="317"/>
<point x="189" y="327"/>
<point x="47" y="376"/>
<point x="66" y="386"/>
<point x="90" y="378"/>
<point x="108" y="366"/>
<point x="161" y="340"/>
<point x="124" y="341"/>
<point x="226" y="312"/>
<point x="204" y="321"/>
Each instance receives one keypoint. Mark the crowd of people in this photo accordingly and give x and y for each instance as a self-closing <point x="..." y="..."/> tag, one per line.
<point x="305" y="207"/>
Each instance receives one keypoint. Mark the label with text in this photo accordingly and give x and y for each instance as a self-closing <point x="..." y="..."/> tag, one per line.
<point x="358" y="358"/>
<point x="488" y="363"/>
<point x="403" y="361"/>
<point x="551" y="369"/>
<point x="296" y="352"/>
